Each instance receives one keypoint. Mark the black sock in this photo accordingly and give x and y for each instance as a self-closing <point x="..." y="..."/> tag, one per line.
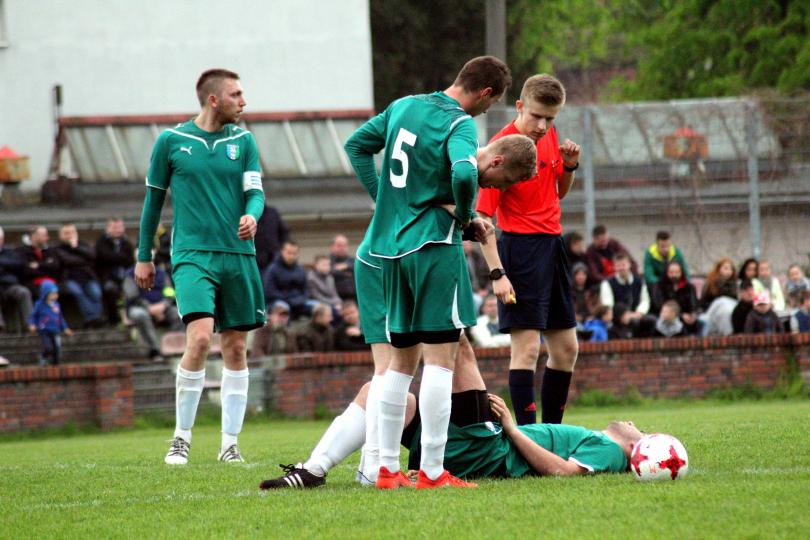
<point x="554" y="394"/>
<point x="521" y="388"/>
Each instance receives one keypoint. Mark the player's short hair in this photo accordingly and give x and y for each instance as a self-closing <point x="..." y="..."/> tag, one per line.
<point x="520" y="154"/>
<point x="484" y="72"/>
<point x="674" y="306"/>
<point x="544" y="89"/>
<point x="662" y="235"/>
<point x="599" y="230"/>
<point x="210" y="81"/>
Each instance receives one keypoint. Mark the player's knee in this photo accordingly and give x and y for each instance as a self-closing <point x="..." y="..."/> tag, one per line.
<point x="198" y="342"/>
<point x="529" y="353"/>
<point x="236" y="348"/>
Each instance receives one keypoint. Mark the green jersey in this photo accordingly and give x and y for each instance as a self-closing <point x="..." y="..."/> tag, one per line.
<point x="210" y="175"/>
<point x="483" y="450"/>
<point x="429" y="149"/>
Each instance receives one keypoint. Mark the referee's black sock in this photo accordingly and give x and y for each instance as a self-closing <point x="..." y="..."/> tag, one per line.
<point x="521" y="388"/>
<point x="554" y="394"/>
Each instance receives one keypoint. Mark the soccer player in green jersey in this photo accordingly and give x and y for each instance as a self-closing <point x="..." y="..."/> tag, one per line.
<point x="483" y="439"/>
<point x="212" y="168"/>
<point x="429" y="147"/>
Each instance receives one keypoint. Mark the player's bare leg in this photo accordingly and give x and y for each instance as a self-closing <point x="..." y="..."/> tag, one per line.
<point x="189" y="384"/>
<point x="466" y="375"/>
<point x="562" y="349"/>
<point x="370" y="459"/>
<point x="522" y="367"/>
<point x="393" y="401"/>
<point x="233" y="392"/>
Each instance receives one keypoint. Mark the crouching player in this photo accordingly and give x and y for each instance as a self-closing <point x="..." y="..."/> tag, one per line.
<point x="483" y="439"/>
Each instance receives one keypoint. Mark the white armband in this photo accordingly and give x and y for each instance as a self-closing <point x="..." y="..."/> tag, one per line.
<point x="252" y="180"/>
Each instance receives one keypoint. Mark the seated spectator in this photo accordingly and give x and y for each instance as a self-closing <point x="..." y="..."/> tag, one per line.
<point x="147" y="308"/>
<point x="163" y="251"/>
<point x="599" y="325"/>
<point x="628" y="289"/>
<point x="316" y="335"/>
<point x="762" y="319"/>
<point x="41" y="262"/>
<point x="575" y="248"/>
<point x="14" y="297"/>
<point x="659" y="255"/>
<point x="744" y="306"/>
<point x="342" y="267"/>
<point x="749" y="270"/>
<point x="795" y="285"/>
<point x="286" y="280"/>
<point x="275" y="337"/>
<point x="78" y="260"/>
<point x="675" y="286"/>
<point x="599" y="255"/>
<point x="800" y="320"/>
<point x="114" y="256"/>
<point x="772" y="285"/>
<point x="584" y="293"/>
<point x="321" y="283"/>
<point x="485" y="333"/>
<point x="621" y="326"/>
<point x="719" y="299"/>
<point x="348" y="334"/>
<point x="271" y="233"/>
<point x="669" y="321"/>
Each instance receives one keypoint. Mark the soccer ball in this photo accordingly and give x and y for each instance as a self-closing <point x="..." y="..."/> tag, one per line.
<point x="658" y="457"/>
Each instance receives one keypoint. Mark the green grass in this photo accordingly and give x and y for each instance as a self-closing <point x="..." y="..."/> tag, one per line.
<point x="750" y="478"/>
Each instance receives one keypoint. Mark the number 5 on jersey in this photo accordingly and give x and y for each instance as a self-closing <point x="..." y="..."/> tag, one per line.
<point x="403" y="137"/>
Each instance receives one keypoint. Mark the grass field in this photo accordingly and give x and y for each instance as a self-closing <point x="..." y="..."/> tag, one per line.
<point x="750" y="478"/>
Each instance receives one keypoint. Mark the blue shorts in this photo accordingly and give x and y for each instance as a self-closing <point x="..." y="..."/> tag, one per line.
<point x="537" y="266"/>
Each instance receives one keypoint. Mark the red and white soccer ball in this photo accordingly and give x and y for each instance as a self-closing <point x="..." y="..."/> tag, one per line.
<point x="658" y="457"/>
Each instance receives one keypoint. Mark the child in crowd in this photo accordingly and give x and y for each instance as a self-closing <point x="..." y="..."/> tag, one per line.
<point x="599" y="323"/>
<point x="46" y="320"/>
<point x="669" y="322"/>
<point x="800" y="320"/>
<point x="762" y="319"/>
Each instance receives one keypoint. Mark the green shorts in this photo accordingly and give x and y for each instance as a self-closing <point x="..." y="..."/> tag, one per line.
<point x="428" y="290"/>
<point x="226" y="285"/>
<point x="370" y="297"/>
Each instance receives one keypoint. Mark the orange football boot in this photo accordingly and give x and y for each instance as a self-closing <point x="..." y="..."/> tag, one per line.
<point x="444" y="480"/>
<point x="388" y="480"/>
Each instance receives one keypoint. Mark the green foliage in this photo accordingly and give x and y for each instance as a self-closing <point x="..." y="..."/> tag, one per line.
<point x="601" y="398"/>
<point x="745" y="483"/>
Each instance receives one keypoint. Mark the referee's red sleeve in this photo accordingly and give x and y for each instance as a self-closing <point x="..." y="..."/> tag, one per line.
<point x="488" y="199"/>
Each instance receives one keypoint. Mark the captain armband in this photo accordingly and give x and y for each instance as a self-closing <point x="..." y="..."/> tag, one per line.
<point x="252" y="180"/>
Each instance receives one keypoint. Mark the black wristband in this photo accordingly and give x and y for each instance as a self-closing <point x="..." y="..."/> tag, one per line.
<point x="566" y="168"/>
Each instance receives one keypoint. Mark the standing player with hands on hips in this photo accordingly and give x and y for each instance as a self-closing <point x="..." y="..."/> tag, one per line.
<point x="212" y="167"/>
<point x="533" y="256"/>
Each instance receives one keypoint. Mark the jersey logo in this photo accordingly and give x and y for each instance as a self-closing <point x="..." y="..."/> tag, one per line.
<point x="233" y="151"/>
<point x="186" y="149"/>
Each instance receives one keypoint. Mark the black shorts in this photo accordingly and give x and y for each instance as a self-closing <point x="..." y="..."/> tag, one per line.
<point x="537" y="267"/>
<point x="468" y="407"/>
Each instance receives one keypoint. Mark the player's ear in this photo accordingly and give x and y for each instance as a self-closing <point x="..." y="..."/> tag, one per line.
<point x="519" y="106"/>
<point x="485" y="93"/>
<point x="497" y="160"/>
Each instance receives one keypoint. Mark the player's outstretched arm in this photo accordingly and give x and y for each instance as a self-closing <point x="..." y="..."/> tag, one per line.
<point x="540" y="460"/>
<point x="366" y="141"/>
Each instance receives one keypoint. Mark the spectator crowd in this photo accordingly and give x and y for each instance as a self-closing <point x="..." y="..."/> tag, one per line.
<point x="311" y="307"/>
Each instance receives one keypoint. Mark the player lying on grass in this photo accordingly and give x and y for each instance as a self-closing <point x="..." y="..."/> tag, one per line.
<point x="483" y="439"/>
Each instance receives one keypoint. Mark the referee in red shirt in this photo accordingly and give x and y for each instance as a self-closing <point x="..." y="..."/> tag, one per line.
<point x="533" y="257"/>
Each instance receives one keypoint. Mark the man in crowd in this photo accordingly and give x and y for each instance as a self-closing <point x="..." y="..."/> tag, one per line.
<point x="626" y="288"/>
<point x="286" y="280"/>
<point x="114" y="256"/>
<point x="744" y="306"/>
<point x="148" y="308"/>
<point x="349" y="334"/>
<point x="271" y="233"/>
<point x="659" y="255"/>
<point x="317" y="334"/>
<point x="275" y="337"/>
<point x="41" y="261"/>
<point x="599" y="254"/>
<point x="14" y="297"/>
<point x="78" y="260"/>
<point x="485" y="333"/>
<point x="342" y="265"/>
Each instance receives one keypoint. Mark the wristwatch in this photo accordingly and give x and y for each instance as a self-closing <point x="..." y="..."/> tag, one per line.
<point x="496" y="274"/>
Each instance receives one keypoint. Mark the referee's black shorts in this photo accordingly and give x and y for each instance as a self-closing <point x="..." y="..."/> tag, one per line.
<point x="537" y="267"/>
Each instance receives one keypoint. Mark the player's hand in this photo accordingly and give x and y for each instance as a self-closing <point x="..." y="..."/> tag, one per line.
<point x="247" y="227"/>
<point x="145" y="275"/>
<point x="502" y="413"/>
<point x="502" y="288"/>
<point x="570" y="153"/>
<point x="483" y="229"/>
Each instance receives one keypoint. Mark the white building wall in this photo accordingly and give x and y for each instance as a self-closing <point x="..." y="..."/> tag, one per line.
<point x="144" y="57"/>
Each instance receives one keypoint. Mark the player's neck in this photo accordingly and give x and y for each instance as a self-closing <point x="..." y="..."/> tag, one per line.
<point x="465" y="100"/>
<point x="208" y="121"/>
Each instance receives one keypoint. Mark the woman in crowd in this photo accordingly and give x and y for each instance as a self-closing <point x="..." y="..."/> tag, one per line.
<point x="675" y="286"/>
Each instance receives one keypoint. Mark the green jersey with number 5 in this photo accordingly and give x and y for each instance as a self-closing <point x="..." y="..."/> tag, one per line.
<point x="429" y="146"/>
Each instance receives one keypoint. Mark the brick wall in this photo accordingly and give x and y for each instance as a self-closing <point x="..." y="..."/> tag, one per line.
<point x="673" y="367"/>
<point x="33" y="398"/>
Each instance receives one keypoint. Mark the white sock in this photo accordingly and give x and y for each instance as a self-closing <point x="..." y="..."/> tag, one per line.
<point x="189" y="386"/>
<point x="434" y="407"/>
<point x="233" y="392"/>
<point x="393" y="400"/>
<point x="344" y="437"/>
<point x="370" y="465"/>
